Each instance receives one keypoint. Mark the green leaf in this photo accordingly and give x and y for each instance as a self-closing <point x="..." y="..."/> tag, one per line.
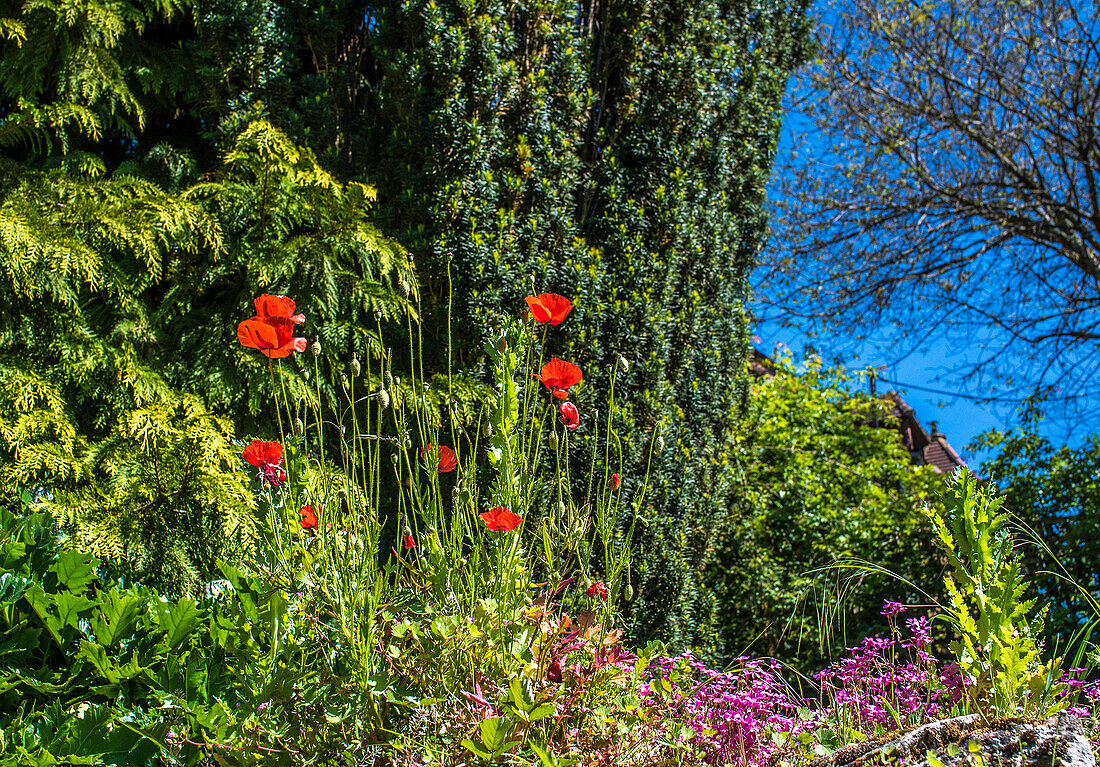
<point x="180" y="621"/>
<point x="117" y="615"/>
<point x="75" y="570"/>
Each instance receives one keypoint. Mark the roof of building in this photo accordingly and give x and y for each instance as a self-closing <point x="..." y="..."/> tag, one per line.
<point x="927" y="447"/>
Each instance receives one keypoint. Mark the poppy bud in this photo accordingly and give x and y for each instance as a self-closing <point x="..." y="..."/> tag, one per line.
<point x="561" y="508"/>
<point x="384" y="398"/>
<point x="408" y="443"/>
<point x="554" y="440"/>
<point x="315" y="347"/>
<point x="394" y="459"/>
<point x="299" y="427"/>
<point x="502" y="345"/>
<point x="343" y="379"/>
<point x="628" y="592"/>
<point x="342" y="494"/>
<point x="658" y="445"/>
<point x="387" y="380"/>
<point x="354" y="367"/>
<point x="403" y="286"/>
<point x="488" y="430"/>
<point x="378" y="315"/>
<point x="616" y="480"/>
<point x="624" y="366"/>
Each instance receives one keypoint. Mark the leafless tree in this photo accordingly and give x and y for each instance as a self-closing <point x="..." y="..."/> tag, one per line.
<point x="944" y="183"/>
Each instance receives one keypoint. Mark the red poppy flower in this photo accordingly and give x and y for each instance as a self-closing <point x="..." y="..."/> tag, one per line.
<point x="570" y="416"/>
<point x="268" y="457"/>
<point x="270" y="307"/>
<point x="258" y="453"/>
<point x="549" y="308"/>
<point x="558" y="375"/>
<point x="500" y="520"/>
<point x="409" y="542"/>
<point x="553" y="671"/>
<point x="616" y="480"/>
<point x="309" y="518"/>
<point x="597" y="588"/>
<point x="272" y="329"/>
<point x="448" y="461"/>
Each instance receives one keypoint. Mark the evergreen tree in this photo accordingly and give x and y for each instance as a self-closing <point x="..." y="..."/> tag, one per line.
<point x="614" y="152"/>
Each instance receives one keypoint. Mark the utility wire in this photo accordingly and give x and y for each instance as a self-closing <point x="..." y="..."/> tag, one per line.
<point x="960" y="394"/>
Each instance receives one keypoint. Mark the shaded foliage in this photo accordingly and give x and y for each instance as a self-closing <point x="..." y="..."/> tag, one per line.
<point x="127" y="273"/>
<point x="823" y="479"/>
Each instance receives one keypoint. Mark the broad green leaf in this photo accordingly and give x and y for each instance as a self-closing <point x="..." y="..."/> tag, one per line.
<point x="75" y="570"/>
<point x="116" y="617"/>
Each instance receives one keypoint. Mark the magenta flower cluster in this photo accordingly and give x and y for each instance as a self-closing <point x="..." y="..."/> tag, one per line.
<point x="733" y="714"/>
<point x="886" y="678"/>
<point x="743" y="716"/>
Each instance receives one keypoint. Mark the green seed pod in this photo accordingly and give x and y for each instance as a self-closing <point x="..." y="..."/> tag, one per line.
<point x="315" y="347"/>
<point x="394" y="459"/>
<point x="354" y="367"/>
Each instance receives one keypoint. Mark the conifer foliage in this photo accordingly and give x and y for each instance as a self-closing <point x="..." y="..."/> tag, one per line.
<point x="121" y="383"/>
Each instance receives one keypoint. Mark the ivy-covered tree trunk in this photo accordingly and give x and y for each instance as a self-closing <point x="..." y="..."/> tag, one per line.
<point x="616" y="153"/>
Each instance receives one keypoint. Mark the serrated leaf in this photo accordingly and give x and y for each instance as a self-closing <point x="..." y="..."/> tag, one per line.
<point x="75" y="570"/>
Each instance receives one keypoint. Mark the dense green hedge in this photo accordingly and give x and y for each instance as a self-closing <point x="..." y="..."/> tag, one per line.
<point x="612" y="152"/>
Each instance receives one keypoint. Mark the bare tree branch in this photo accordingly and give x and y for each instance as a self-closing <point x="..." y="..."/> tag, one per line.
<point x="953" y="168"/>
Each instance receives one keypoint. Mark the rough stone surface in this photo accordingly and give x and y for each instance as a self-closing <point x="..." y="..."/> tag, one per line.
<point x="1056" y="742"/>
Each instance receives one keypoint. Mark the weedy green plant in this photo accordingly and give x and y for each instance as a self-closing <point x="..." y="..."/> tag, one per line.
<point x="510" y="532"/>
<point x="998" y="653"/>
